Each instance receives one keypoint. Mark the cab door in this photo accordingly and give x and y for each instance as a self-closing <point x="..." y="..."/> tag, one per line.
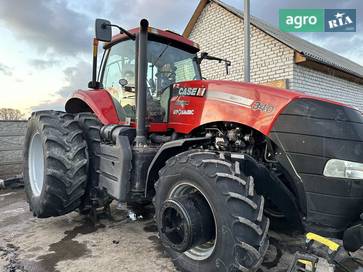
<point x="118" y="78"/>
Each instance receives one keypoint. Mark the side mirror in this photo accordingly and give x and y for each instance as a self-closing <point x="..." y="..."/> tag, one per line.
<point x="103" y="30"/>
<point x="227" y="64"/>
<point x="205" y="55"/>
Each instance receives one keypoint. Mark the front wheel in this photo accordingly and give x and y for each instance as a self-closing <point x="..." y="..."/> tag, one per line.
<point x="208" y="215"/>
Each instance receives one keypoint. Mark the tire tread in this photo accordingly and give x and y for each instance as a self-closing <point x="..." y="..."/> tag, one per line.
<point x="66" y="149"/>
<point x="231" y="184"/>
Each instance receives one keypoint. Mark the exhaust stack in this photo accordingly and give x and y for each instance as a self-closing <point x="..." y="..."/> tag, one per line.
<point x="142" y="38"/>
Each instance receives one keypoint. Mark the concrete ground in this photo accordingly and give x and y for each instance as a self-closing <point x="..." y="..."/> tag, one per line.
<point x="71" y="243"/>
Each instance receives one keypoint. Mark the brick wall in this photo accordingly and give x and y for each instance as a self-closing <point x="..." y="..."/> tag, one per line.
<point x="12" y="134"/>
<point x="215" y="31"/>
<point x="220" y="33"/>
<point x="328" y="86"/>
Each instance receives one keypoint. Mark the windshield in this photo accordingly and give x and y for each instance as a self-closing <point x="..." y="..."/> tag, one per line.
<point x="166" y="66"/>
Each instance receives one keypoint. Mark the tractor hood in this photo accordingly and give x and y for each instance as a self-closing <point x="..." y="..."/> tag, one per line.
<point x="198" y="102"/>
<point x="307" y="131"/>
<point x="250" y="90"/>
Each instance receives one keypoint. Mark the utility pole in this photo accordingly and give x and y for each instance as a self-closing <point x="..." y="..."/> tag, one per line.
<point x="247" y="40"/>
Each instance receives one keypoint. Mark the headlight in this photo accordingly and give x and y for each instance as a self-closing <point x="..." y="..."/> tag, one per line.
<point x="343" y="169"/>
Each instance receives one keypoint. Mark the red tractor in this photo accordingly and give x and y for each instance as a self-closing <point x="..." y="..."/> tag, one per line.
<point x="220" y="160"/>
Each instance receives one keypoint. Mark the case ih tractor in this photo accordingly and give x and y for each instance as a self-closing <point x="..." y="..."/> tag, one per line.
<point x="220" y="160"/>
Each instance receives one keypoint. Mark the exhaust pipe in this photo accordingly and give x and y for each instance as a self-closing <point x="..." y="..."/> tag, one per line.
<point x="141" y="83"/>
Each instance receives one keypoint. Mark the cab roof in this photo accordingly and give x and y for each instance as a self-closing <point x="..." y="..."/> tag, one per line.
<point x="166" y="35"/>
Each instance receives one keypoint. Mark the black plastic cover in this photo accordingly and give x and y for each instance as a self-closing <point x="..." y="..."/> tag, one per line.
<point x="115" y="162"/>
<point x="310" y="132"/>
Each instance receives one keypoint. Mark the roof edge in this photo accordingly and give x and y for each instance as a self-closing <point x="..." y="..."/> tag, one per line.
<point x="192" y="21"/>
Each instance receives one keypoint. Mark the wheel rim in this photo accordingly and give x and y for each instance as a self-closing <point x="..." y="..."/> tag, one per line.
<point x="36" y="164"/>
<point x="204" y="251"/>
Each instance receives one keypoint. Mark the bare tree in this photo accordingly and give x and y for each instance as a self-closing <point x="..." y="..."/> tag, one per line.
<point x="10" y="114"/>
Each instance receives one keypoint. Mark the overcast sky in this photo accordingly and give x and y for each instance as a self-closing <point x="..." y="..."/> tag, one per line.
<point x="46" y="44"/>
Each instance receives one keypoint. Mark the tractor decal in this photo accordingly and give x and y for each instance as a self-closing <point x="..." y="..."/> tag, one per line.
<point x="184" y="91"/>
<point x="259" y="106"/>
<point x="183" y="112"/>
<point x="181" y="103"/>
<point x="231" y="98"/>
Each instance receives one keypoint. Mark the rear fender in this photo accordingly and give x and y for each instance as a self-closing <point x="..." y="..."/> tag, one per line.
<point x="97" y="101"/>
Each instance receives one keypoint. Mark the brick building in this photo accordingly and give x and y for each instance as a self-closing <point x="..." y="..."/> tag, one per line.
<point x="277" y="58"/>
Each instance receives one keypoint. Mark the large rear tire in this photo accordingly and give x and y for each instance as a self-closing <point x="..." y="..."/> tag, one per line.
<point x="240" y="229"/>
<point x="55" y="164"/>
<point x="91" y="127"/>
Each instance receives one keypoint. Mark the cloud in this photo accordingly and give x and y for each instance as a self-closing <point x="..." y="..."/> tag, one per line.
<point x="50" y="104"/>
<point x="77" y="77"/>
<point x="269" y="10"/>
<point x="5" y="70"/>
<point x="162" y="14"/>
<point x="43" y="64"/>
<point x="51" y="26"/>
<point x="347" y="44"/>
<point x="344" y="44"/>
<point x="66" y="28"/>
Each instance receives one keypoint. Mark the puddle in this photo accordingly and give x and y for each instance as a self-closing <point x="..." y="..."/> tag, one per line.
<point x="65" y="249"/>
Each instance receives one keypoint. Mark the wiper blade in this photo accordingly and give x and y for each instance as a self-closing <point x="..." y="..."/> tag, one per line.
<point x="161" y="54"/>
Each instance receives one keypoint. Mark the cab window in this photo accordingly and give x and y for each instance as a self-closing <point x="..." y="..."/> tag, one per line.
<point x="166" y="66"/>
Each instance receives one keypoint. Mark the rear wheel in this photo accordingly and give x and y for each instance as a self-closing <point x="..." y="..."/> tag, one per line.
<point x="91" y="127"/>
<point x="55" y="164"/>
<point x="208" y="215"/>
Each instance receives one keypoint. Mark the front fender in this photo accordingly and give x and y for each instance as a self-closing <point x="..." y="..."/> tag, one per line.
<point x="98" y="101"/>
<point x="167" y="151"/>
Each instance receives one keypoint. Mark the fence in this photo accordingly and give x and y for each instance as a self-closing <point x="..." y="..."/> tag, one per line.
<point x="12" y="134"/>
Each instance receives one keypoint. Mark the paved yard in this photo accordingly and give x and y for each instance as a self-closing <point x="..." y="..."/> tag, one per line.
<point x="70" y="243"/>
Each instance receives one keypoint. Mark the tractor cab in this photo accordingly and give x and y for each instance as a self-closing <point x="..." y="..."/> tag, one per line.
<point x="170" y="59"/>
